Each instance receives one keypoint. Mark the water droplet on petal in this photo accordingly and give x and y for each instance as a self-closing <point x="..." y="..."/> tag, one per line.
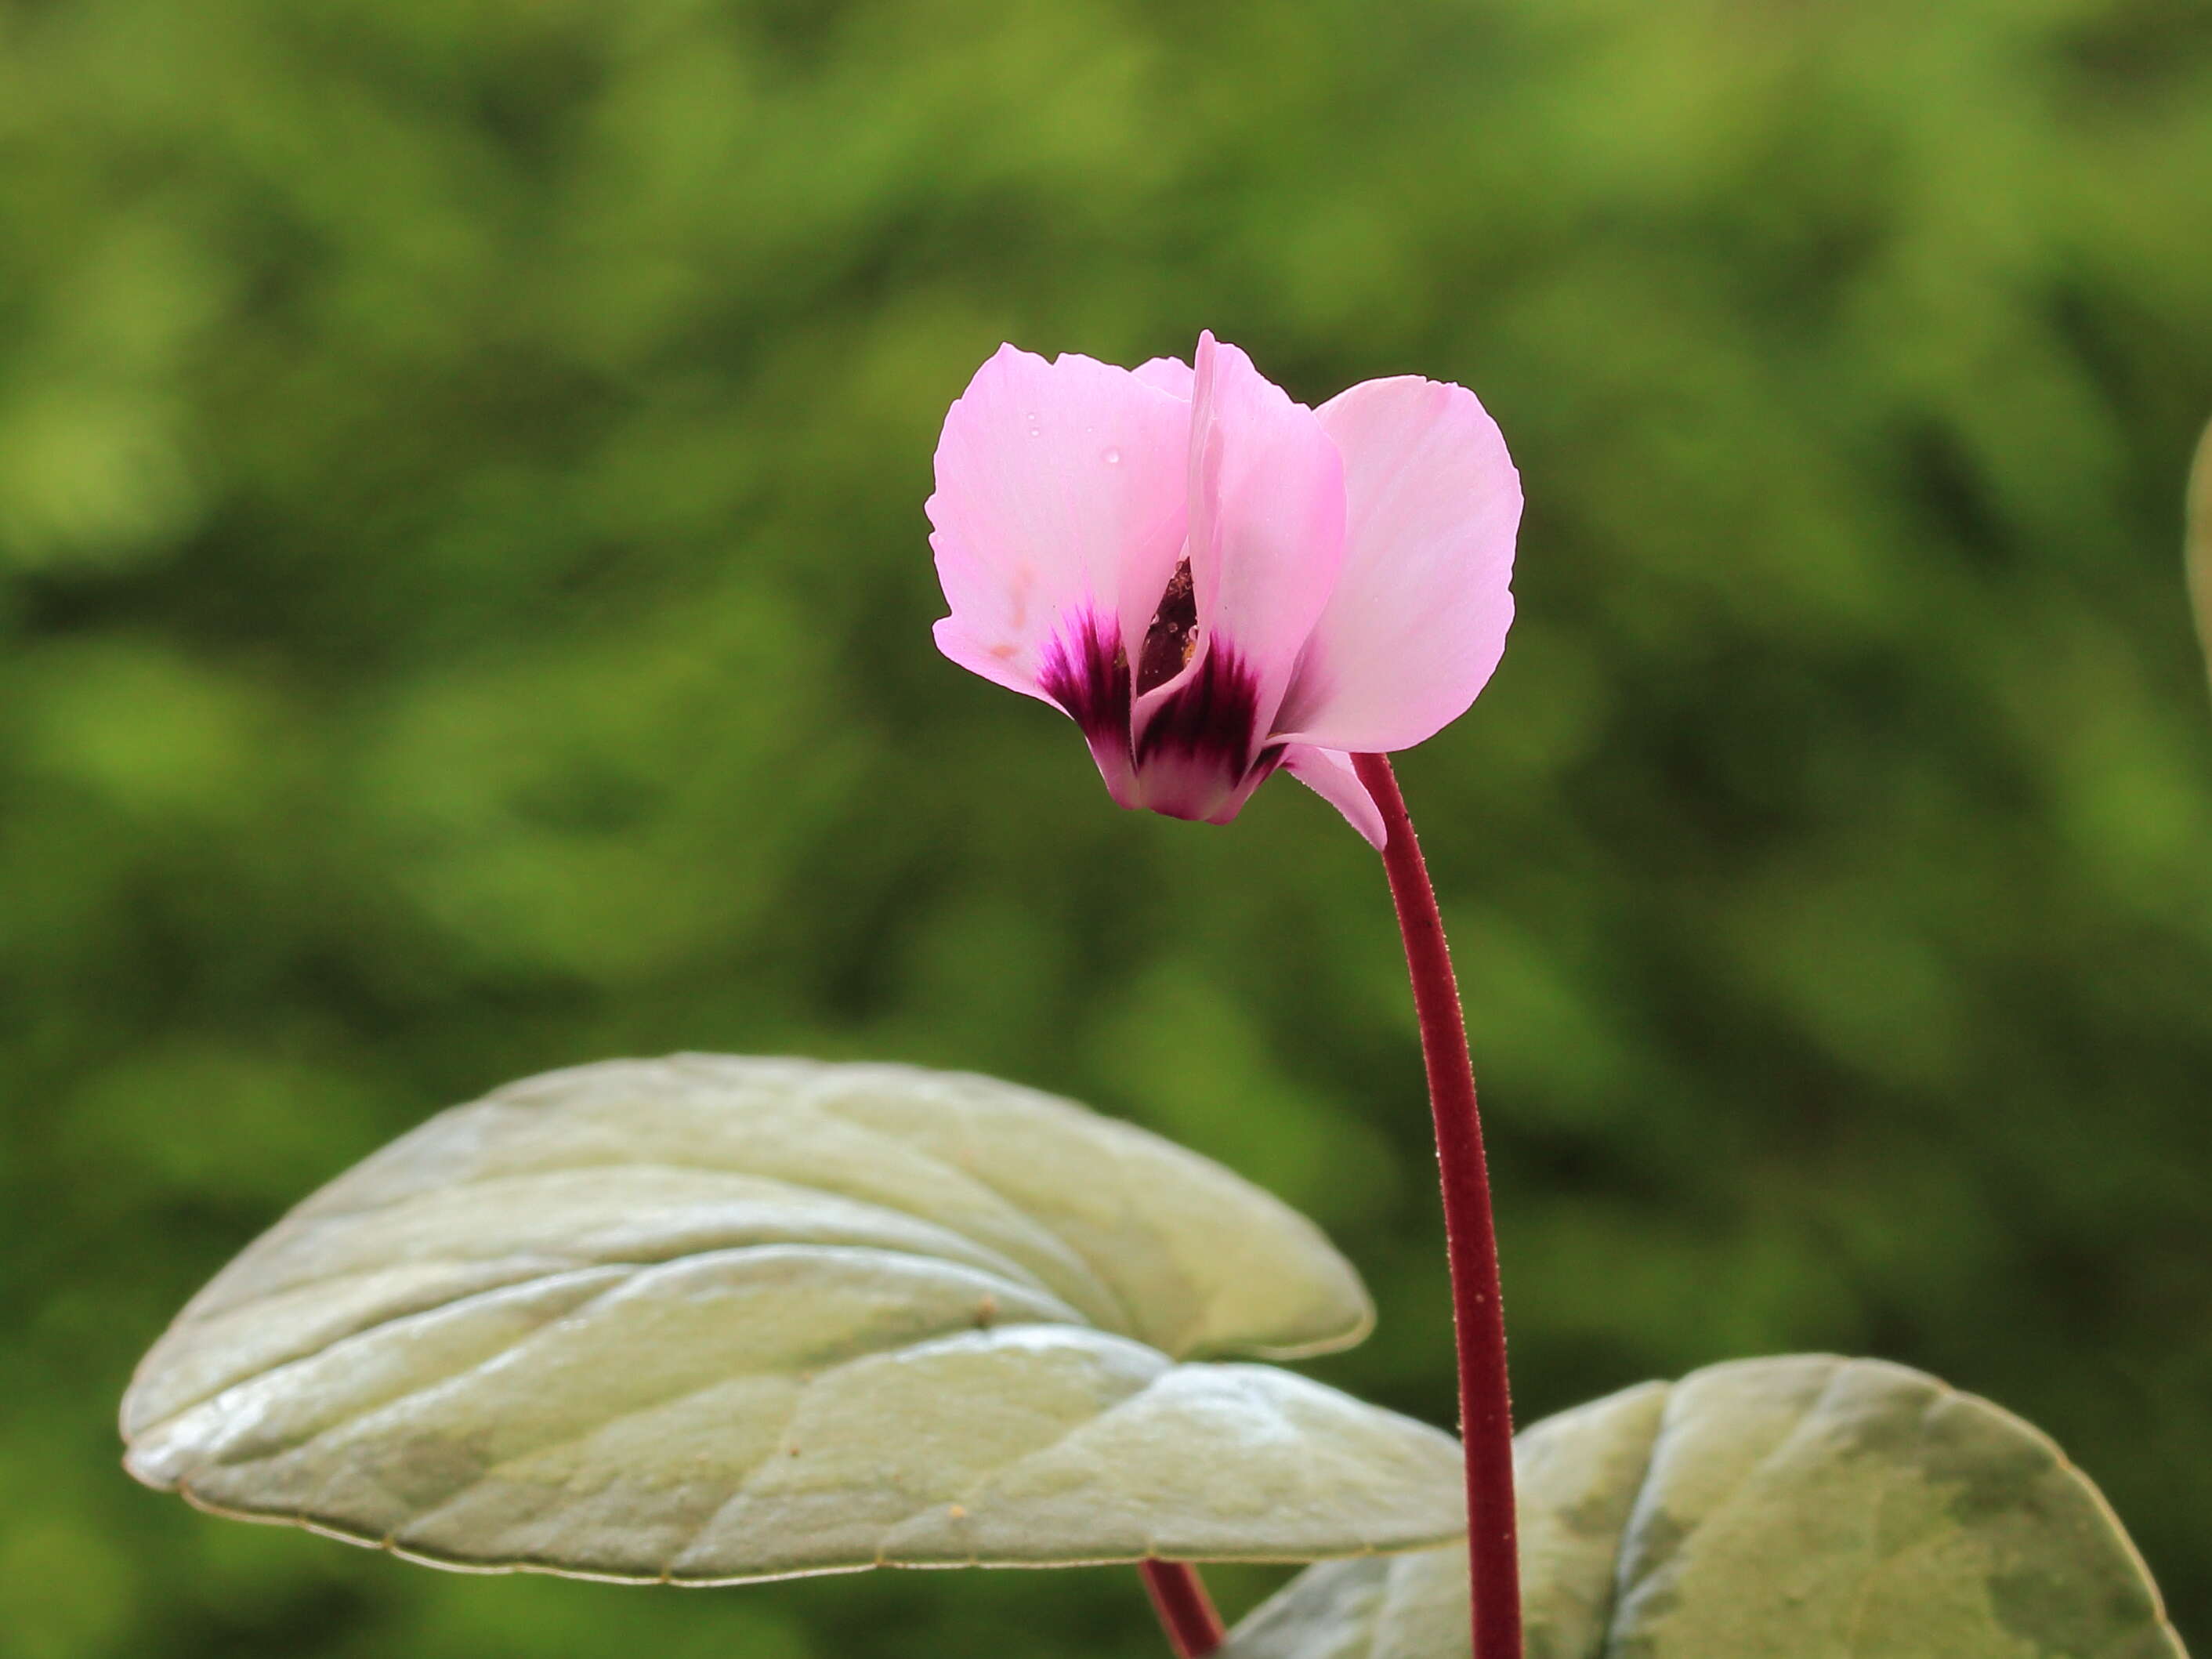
<point x="1112" y="457"/>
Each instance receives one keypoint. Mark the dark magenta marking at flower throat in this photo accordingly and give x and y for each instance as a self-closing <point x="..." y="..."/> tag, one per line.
<point x="1211" y="718"/>
<point x="1086" y="672"/>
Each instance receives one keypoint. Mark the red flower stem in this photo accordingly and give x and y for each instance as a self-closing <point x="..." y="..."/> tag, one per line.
<point x="1186" y="1611"/>
<point x="1485" y="1407"/>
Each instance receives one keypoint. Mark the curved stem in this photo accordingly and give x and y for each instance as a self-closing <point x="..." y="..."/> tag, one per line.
<point x="1486" y="1406"/>
<point x="1186" y="1611"/>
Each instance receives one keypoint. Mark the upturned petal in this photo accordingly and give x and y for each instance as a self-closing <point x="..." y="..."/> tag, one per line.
<point x="1328" y="774"/>
<point x="1057" y="518"/>
<point x="1267" y="536"/>
<point x="1417" y="619"/>
<point x="1171" y="374"/>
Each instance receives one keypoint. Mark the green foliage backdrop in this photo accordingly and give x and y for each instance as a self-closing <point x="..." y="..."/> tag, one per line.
<point x="464" y="610"/>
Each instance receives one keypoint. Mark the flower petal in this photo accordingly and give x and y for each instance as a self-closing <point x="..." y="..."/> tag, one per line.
<point x="1328" y="774"/>
<point x="1418" y="620"/>
<point x="1267" y="522"/>
<point x="1059" y="513"/>
<point x="1171" y="374"/>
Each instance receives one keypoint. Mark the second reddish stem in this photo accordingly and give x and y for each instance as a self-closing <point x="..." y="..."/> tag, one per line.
<point x="1485" y="1405"/>
<point x="1185" y="1610"/>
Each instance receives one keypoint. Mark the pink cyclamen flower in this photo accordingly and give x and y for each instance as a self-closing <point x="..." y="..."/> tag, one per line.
<point x="1214" y="580"/>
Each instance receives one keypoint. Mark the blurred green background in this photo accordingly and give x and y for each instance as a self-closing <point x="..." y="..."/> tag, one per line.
<point x="464" y="610"/>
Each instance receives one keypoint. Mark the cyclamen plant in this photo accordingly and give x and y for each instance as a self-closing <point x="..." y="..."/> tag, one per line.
<point x="709" y="1320"/>
<point x="1212" y="581"/>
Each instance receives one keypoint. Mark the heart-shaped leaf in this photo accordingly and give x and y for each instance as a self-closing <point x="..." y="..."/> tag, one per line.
<point x="1804" y="1506"/>
<point x="706" y="1319"/>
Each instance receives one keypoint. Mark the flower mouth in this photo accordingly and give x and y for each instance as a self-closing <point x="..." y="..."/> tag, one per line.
<point x="1173" y="635"/>
<point x="1193" y="755"/>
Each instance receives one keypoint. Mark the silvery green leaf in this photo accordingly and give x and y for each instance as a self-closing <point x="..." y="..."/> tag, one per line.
<point x="1802" y="1506"/>
<point x="706" y="1319"/>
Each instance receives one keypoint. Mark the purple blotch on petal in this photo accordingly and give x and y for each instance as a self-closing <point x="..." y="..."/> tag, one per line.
<point x="1084" y="669"/>
<point x="1211" y="716"/>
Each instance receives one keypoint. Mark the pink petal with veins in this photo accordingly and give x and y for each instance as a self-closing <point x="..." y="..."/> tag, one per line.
<point x="1266" y="526"/>
<point x="1418" y="620"/>
<point x="1059" y="508"/>
<point x="1171" y="374"/>
<point x="1328" y="774"/>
